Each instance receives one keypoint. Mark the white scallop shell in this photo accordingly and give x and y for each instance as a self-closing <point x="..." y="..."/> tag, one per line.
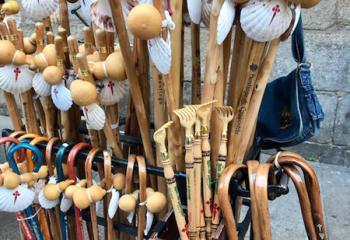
<point x="95" y="116"/>
<point x="111" y="91"/>
<point x="14" y="200"/>
<point x="66" y="203"/>
<point x="113" y="204"/>
<point x="45" y="203"/>
<point x="16" y="79"/>
<point x="160" y="53"/>
<point x="130" y="216"/>
<point x="265" y="20"/>
<point x="39" y="9"/>
<point x="41" y="87"/>
<point x="149" y="221"/>
<point x="225" y="21"/>
<point x="61" y="97"/>
<point x="195" y="10"/>
<point x="85" y="6"/>
<point x="101" y="15"/>
<point x="206" y="9"/>
<point x="37" y="187"/>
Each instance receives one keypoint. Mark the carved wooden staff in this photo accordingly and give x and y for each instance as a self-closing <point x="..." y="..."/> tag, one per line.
<point x="196" y="63"/>
<point x="134" y="85"/>
<point x="27" y="97"/>
<point x="10" y="100"/>
<point x="50" y="110"/>
<point x="159" y="138"/>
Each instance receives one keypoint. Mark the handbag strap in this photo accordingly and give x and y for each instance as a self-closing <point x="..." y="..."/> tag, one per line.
<point x="298" y="48"/>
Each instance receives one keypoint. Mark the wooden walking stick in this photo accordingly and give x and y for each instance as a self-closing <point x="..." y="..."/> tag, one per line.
<point x="73" y="51"/>
<point x="196" y="63"/>
<point x="203" y="112"/>
<point x="187" y="118"/>
<point x="134" y="86"/>
<point x="224" y="199"/>
<point x="159" y="137"/>
<point x="50" y="112"/>
<point x="225" y="115"/>
<point x="27" y="97"/>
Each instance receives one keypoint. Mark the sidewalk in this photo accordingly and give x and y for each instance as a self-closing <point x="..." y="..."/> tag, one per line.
<point x="285" y="213"/>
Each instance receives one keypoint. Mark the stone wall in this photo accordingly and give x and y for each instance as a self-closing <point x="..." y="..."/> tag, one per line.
<point x="327" y="36"/>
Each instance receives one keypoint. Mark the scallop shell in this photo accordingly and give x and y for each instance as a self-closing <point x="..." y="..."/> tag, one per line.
<point x="85" y="6"/>
<point x="160" y="53"/>
<point x="39" y="9"/>
<point x="66" y="203"/>
<point x="130" y="216"/>
<point x="113" y="204"/>
<point x="225" y="21"/>
<point x="101" y="15"/>
<point x="265" y="20"/>
<point x="61" y="97"/>
<point x="37" y="188"/>
<point x="17" y="199"/>
<point x="206" y="9"/>
<point x="41" y="87"/>
<point x="95" y="116"/>
<point x="111" y="91"/>
<point x="149" y="221"/>
<point x="195" y="9"/>
<point x="45" y="203"/>
<point x="16" y="79"/>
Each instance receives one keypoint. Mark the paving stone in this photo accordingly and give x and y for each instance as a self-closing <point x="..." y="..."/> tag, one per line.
<point x="323" y="153"/>
<point x="343" y="12"/>
<point x="329" y="103"/>
<point x="342" y="123"/>
<point x="321" y="16"/>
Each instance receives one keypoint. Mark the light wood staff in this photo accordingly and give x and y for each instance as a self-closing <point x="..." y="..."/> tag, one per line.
<point x="63" y="12"/>
<point x="196" y="63"/>
<point x="27" y="97"/>
<point x="50" y="110"/>
<point x="89" y="41"/>
<point x="107" y="129"/>
<point x="212" y="58"/>
<point x="134" y="85"/>
<point x="73" y="51"/>
<point x="175" y="146"/>
<point x="255" y="102"/>
<point x="159" y="138"/>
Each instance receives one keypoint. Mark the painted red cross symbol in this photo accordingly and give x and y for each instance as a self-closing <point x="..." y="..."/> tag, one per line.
<point x="276" y="9"/>
<point x="15" y="195"/>
<point x="111" y="85"/>
<point x="17" y="72"/>
<point x="216" y="209"/>
<point x="55" y="91"/>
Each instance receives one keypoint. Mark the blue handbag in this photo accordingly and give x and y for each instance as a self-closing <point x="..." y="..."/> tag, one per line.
<point x="290" y="112"/>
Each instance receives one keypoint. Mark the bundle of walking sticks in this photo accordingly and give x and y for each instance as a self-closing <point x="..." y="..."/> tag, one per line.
<point x="69" y="92"/>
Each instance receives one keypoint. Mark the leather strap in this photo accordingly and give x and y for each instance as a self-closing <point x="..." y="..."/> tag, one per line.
<point x="88" y="174"/>
<point x="108" y="185"/>
<point x="71" y="172"/>
<point x="304" y="200"/>
<point x="298" y="48"/>
<point x="224" y="199"/>
<point x="129" y="173"/>
<point x="312" y="185"/>
<point x="143" y="196"/>
<point x="49" y="155"/>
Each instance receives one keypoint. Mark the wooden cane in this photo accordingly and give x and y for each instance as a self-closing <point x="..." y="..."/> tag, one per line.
<point x="63" y="12"/>
<point x="108" y="185"/>
<point x="224" y="199"/>
<point x="89" y="42"/>
<point x="50" y="112"/>
<point x="118" y="19"/>
<point x="159" y="137"/>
